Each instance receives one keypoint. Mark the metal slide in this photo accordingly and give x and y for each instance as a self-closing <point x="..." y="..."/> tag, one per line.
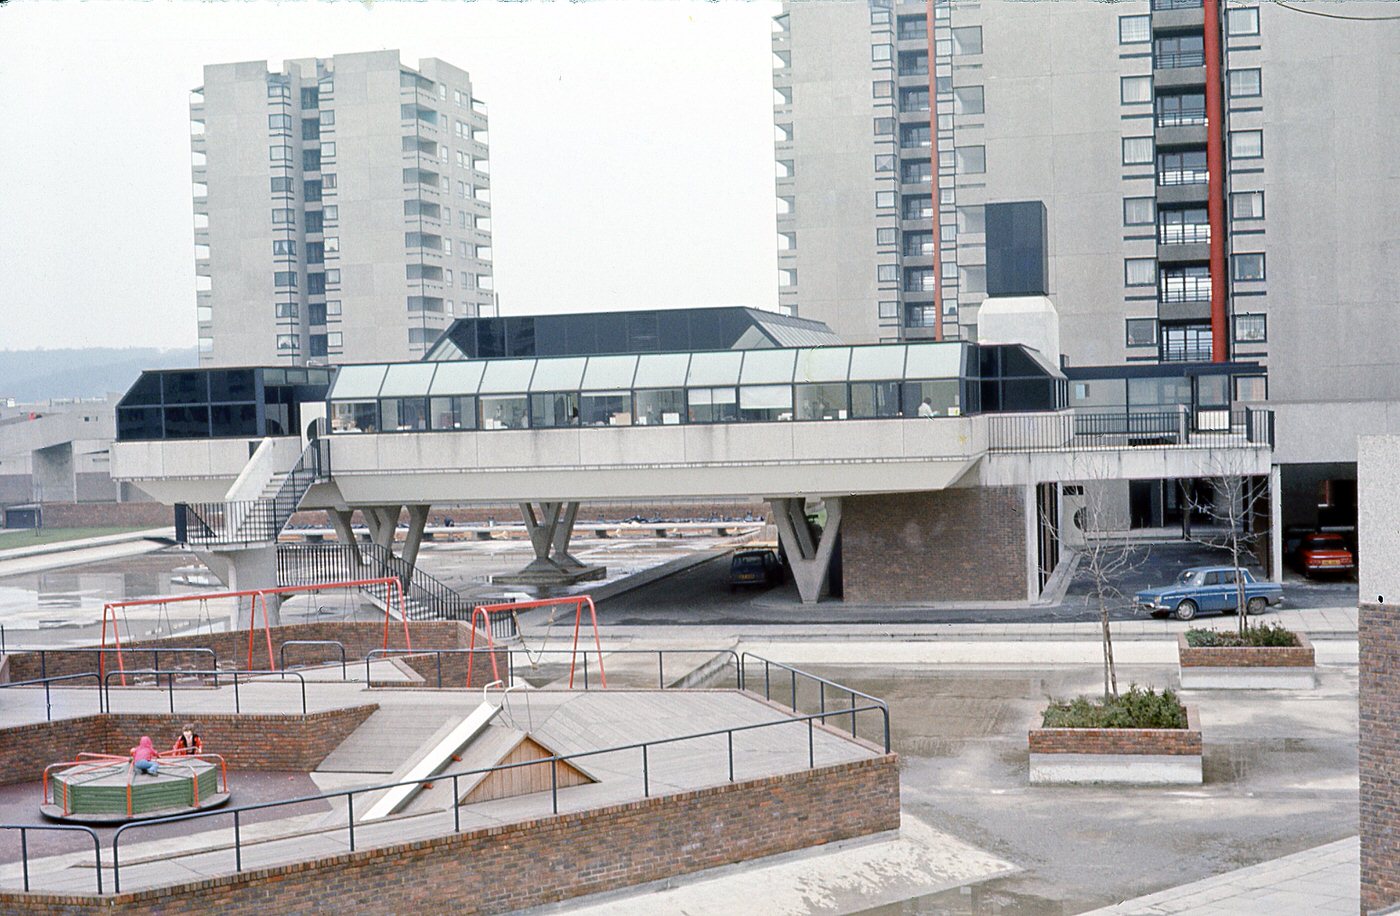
<point x="437" y="759"/>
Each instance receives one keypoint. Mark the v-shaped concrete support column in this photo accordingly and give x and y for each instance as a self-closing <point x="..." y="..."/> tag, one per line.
<point x="542" y="530"/>
<point x="345" y="533"/>
<point x="413" y="538"/>
<point x="563" y="533"/>
<point x="810" y="561"/>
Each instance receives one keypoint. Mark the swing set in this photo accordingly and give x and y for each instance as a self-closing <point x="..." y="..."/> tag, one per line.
<point x="259" y="596"/>
<point x="484" y="612"/>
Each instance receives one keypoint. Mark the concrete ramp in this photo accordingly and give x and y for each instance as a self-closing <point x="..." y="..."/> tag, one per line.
<point x="435" y="760"/>
<point x="389" y="739"/>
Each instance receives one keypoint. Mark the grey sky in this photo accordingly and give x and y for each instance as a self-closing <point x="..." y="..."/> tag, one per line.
<point x="631" y="150"/>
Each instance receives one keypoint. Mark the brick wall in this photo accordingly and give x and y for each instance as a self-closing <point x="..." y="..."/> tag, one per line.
<point x="108" y="515"/>
<point x="1171" y="741"/>
<point x="247" y="742"/>
<point x="551" y="859"/>
<point x="945" y="545"/>
<point x="1379" y="635"/>
<point x="1299" y="656"/>
<point x="358" y="637"/>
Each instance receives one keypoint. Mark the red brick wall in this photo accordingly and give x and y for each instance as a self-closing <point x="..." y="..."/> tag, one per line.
<point x="1299" y="656"/>
<point x="551" y="859"/>
<point x="232" y="648"/>
<point x="1379" y="635"/>
<point x="108" y="515"/>
<point x="1173" y="741"/>
<point x="246" y="742"/>
<point x="945" y="545"/>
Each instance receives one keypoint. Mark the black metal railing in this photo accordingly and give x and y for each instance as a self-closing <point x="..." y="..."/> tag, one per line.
<point x="825" y="688"/>
<point x="231" y="675"/>
<point x="1169" y="178"/>
<point x="1173" y="60"/>
<point x="1182" y="117"/>
<point x="249" y="521"/>
<point x="425" y="597"/>
<point x="1176" y="4"/>
<point x="532" y="658"/>
<point x="46" y="654"/>
<point x="1180" y="428"/>
<point x="24" y="830"/>
<point x="48" y="696"/>
<point x="1183" y="233"/>
<point x="1184" y="289"/>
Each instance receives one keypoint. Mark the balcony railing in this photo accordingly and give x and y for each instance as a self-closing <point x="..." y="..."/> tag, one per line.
<point x="1174" y="177"/>
<point x="1176" y="4"/>
<point x="1175" y="60"/>
<point x="1184" y="117"/>
<point x="914" y="71"/>
<point x="1189" y="289"/>
<point x="1183" y="233"/>
<point x="1168" y="427"/>
<point x="1188" y="351"/>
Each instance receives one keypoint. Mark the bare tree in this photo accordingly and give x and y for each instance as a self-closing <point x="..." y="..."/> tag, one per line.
<point x="1233" y="509"/>
<point x="1106" y="554"/>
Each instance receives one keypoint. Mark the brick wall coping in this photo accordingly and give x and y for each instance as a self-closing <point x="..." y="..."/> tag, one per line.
<point x="1299" y="656"/>
<point x="1170" y="741"/>
<point x="172" y="895"/>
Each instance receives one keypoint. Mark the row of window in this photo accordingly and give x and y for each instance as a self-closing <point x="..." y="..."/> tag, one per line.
<point x="1243" y="144"/>
<point x="961" y="42"/>
<point x="1238" y="21"/>
<point x="316" y="344"/>
<point x="1180" y="108"/>
<point x="1244" y="267"/>
<point x="962" y="160"/>
<point x="657" y="407"/>
<point x="1251" y="328"/>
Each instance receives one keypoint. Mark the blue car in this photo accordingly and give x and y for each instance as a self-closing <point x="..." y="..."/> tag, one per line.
<point x="1209" y="588"/>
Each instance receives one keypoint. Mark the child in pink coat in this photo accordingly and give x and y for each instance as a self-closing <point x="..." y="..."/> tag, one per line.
<point x="143" y="757"/>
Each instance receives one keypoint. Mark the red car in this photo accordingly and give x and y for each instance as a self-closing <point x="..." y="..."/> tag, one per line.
<point x="1321" y="552"/>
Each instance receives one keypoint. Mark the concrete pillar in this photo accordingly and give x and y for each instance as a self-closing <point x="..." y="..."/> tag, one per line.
<point x="562" y="535"/>
<point x="542" y="529"/>
<point x="242" y="570"/>
<point x="1275" y="524"/>
<point x="345" y="532"/>
<point x="810" y="561"/>
<point x="413" y="538"/>
<point x="382" y="522"/>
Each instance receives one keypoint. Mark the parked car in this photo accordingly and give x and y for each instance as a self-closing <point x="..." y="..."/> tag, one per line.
<point x="755" y="567"/>
<point x="1324" y="552"/>
<point x="1209" y="588"/>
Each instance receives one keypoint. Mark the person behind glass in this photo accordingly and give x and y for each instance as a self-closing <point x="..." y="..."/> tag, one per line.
<point x="189" y="741"/>
<point x="143" y="757"/>
<point x="926" y="408"/>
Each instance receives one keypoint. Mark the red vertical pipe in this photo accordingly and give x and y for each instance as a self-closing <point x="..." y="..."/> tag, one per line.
<point x="1215" y="165"/>
<point x="933" y="177"/>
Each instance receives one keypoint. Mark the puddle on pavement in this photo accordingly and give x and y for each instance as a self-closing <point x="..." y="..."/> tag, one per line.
<point x="976" y="900"/>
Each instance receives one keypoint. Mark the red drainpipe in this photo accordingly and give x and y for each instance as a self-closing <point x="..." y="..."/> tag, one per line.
<point x="933" y="178"/>
<point x="1215" y="165"/>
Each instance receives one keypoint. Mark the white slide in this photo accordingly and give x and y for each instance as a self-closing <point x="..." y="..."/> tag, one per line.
<point x="433" y="762"/>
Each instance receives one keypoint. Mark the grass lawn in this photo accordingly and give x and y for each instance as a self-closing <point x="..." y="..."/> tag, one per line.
<point x="29" y="538"/>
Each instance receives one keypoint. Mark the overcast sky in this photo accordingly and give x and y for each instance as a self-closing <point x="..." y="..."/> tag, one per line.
<point x="631" y="150"/>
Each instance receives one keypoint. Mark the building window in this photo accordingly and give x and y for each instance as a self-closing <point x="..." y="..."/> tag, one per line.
<point x="284" y="278"/>
<point x="967" y="40"/>
<point x="972" y="219"/>
<point x="310" y="98"/>
<point x="1251" y="328"/>
<point x="1139" y="271"/>
<point x="330" y="213"/>
<point x="1141" y="332"/>
<point x="972" y="279"/>
<point x="313" y="221"/>
<point x="1246" y="144"/>
<point x="969" y="100"/>
<point x="1133" y="90"/>
<point x="1139" y="211"/>
<point x="288" y="342"/>
<point x="333" y="277"/>
<point x="1243" y="21"/>
<point x="284" y="247"/>
<point x="887" y="273"/>
<point x="882" y="89"/>
<point x="887" y="236"/>
<point x="1244" y="84"/>
<point x="279" y="122"/>
<point x="279" y="153"/>
<point x="281" y="186"/>
<point x="279" y="91"/>
<point x="316" y="284"/>
<point x="1248" y="267"/>
<point x="311" y="191"/>
<point x="327" y="118"/>
<point x="889" y="309"/>
<point x="283" y="216"/>
<point x="332" y="306"/>
<point x="287" y="310"/>
<point x="328" y="181"/>
<point x="328" y="150"/>
<point x="879" y="17"/>
<point x="884" y="163"/>
<point x="318" y="345"/>
<point x="1137" y="150"/>
<point x="881" y="52"/>
<point x="311" y="129"/>
<point x="1247" y="205"/>
<point x="971" y="160"/>
<point x="1134" y="30"/>
<point x="885" y="200"/>
<point x="335" y="340"/>
<point x="311" y="160"/>
<point x="1251" y="388"/>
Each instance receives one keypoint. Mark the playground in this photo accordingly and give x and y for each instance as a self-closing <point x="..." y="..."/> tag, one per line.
<point x="416" y="751"/>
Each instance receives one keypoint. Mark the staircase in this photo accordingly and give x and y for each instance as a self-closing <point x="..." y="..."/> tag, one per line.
<point x="246" y="522"/>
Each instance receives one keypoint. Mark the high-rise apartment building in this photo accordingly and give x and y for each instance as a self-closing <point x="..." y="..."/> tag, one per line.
<point x="1219" y="182"/>
<point x="342" y="208"/>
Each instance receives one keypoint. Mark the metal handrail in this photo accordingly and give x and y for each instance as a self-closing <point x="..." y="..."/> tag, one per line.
<point x="282" y="652"/>
<point x="793" y="672"/>
<point x="48" y="699"/>
<point x="552" y="760"/>
<point x="246" y="521"/>
<point x="510" y="658"/>
<point x="69" y="828"/>
<point x="230" y="673"/>
<point x="1172" y="60"/>
<point x="155" y="654"/>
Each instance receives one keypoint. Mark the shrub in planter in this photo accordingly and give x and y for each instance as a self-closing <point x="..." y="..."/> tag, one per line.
<point x="1263" y="636"/>
<point x="1139" y="707"/>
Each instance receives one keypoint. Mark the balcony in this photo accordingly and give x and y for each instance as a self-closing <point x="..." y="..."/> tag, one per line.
<point x="1176" y="60"/>
<point x="1190" y="116"/>
<point x="1170" y="178"/>
<point x="1161" y="5"/>
<point x="1183" y="233"/>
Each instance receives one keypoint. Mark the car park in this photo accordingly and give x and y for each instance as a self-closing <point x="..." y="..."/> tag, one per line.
<point x="1209" y="589"/>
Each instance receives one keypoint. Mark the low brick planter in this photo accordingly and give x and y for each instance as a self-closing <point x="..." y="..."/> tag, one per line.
<point x="1247" y="667"/>
<point x="1137" y="756"/>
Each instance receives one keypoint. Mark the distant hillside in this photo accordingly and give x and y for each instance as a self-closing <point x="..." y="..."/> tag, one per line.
<point x="39" y="375"/>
